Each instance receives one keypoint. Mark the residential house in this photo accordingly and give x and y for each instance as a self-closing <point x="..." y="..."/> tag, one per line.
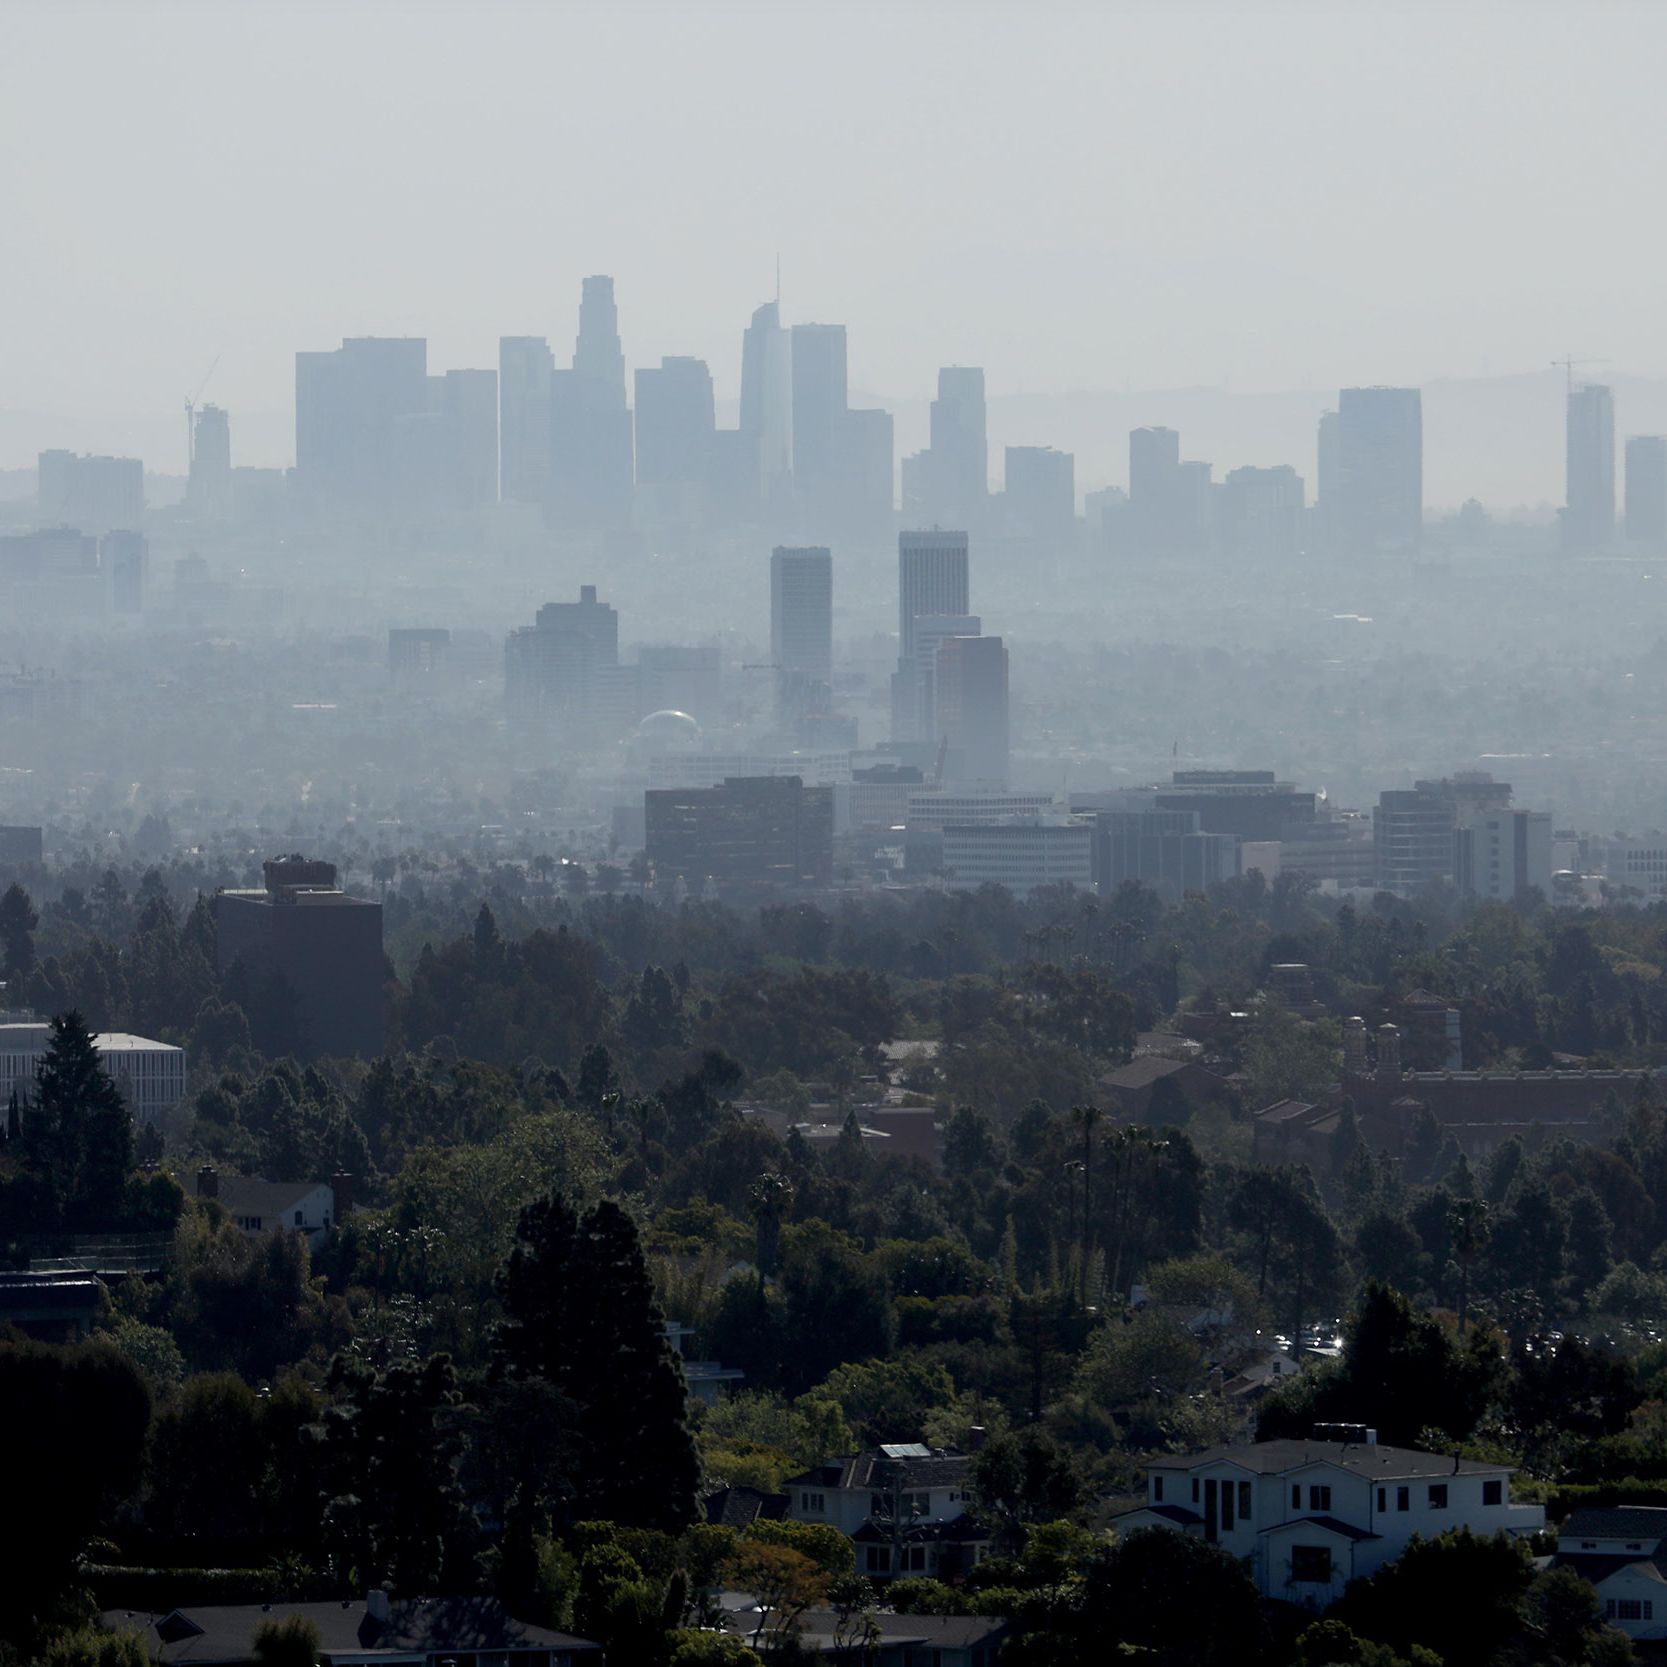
<point x="1308" y="1516"/>
<point x="257" y="1206"/>
<point x="904" y="1506"/>
<point x="414" y="1632"/>
<point x="1622" y="1551"/>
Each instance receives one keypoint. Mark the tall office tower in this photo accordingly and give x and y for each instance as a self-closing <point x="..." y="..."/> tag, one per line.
<point x="767" y="405"/>
<point x="1380" y="457"/>
<point x="869" y="470"/>
<point x="208" y="488"/>
<point x="598" y="360"/>
<point x="972" y="708"/>
<point x="1041" y="492"/>
<point x="931" y="580"/>
<point x="675" y="424"/>
<point x="819" y="411"/>
<point x="91" y="494"/>
<point x="1589" y="518"/>
<point x="960" y="446"/>
<point x="346" y="403"/>
<point x="1154" y="468"/>
<point x="525" y="366"/>
<point x="1646" y="488"/>
<point x="1328" y="480"/>
<point x="590" y="423"/>
<point x="915" y="712"/>
<point x="801" y="629"/>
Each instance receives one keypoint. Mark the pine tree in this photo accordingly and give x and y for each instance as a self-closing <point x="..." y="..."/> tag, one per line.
<point x="18" y="921"/>
<point x="581" y="1314"/>
<point x="81" y="1134"/>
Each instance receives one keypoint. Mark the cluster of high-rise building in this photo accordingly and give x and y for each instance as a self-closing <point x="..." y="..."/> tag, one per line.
<point x="1589" y="519"/>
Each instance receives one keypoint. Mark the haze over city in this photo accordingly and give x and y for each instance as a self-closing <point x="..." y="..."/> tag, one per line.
<point x="832" y="832"/>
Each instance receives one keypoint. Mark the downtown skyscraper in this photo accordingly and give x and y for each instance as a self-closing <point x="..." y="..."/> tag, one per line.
<point x="591" y="464"/>
<point x="1589" y="515"/>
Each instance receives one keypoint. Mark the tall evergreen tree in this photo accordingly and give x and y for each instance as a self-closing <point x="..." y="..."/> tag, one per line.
<point x="18" y="921"/>
<point x="581" y="1314"/>
<point x="78" y="1135"/>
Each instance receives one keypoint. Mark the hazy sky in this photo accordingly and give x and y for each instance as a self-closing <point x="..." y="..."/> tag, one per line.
<point x="1098" y="197"/>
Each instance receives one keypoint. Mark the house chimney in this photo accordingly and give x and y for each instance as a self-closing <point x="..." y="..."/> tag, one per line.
<point x="208" y="1183"/>
<point x="341" y="1188"/>
<point x="1389" y="1054"/>
<point x="376" y="1604"/>
<point x="1354" y="1047"/>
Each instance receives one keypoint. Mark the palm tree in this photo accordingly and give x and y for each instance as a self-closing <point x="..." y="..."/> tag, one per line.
<point x="1086" y="1118"/>
<point x="1468" y="1231"/>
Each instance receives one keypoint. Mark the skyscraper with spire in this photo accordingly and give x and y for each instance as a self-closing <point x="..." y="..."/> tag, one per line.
<point x="590" y="422"/>
<point x="767" y="403"/>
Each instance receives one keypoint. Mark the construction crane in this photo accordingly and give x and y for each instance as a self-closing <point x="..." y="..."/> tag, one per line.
<point x="191" y="416"/>
<point x="1568" y="362"/>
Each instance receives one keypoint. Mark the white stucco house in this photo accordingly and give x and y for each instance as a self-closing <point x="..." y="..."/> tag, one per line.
<point x="1309" y="1516"/>
<point x="904" y="1506"/>
<point x="1622" y="1551"/>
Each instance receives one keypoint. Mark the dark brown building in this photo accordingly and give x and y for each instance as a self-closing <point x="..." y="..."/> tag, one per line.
<point x="748" y="831"/>
<point x="311" y="960"/>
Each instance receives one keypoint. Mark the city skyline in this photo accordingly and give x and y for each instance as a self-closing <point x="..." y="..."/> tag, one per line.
<point x="1190" y="274"/>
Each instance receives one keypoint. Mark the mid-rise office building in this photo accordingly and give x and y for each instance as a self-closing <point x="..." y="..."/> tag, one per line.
<point x="1646" y="489"/>
<point x="525" y="367"/>
<point x="971" y="702"/>
<point x="868" y="497"/>
<point x="1412" y="837"/>
<point x="90" y="494"/>
<point x="1039" y="492"/>
<point x="1020" y="855"/>
<point x="150" y="1075"/>
<point x="309" y="959"/>
<point x="746" y="831"/>
<point x="1165" y="850"/>
<point x="931" y="579"/>
<point x="563" y="668"/>
<point x="1250" y="804"/>
<point x="1503" y="854"/>
<point x="1589" y="512"/>
<point x="1380" y="462"/>
<point x="801" y="629"/>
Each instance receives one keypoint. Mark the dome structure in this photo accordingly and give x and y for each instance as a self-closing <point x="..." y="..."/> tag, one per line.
<point x="668" y="731"/>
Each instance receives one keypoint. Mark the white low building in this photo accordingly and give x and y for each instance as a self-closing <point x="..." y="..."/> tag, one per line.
<point x="150" y="1075"/>
<point x="1307" y="1517"/>
<point x="1622" y="1551"/>
<point x="1022" y="855"/>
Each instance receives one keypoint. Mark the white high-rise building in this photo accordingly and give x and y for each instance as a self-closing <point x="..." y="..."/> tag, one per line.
<point x="525" y="364"/>
<point x="801" y="628"/>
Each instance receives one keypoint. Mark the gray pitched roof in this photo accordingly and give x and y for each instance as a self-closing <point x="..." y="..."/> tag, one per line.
<point x="1617" y="1522"/>
<point x="240" y="1195"/>
<point x="873" y="1469"/>
<point x="1373" y="1461"/>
